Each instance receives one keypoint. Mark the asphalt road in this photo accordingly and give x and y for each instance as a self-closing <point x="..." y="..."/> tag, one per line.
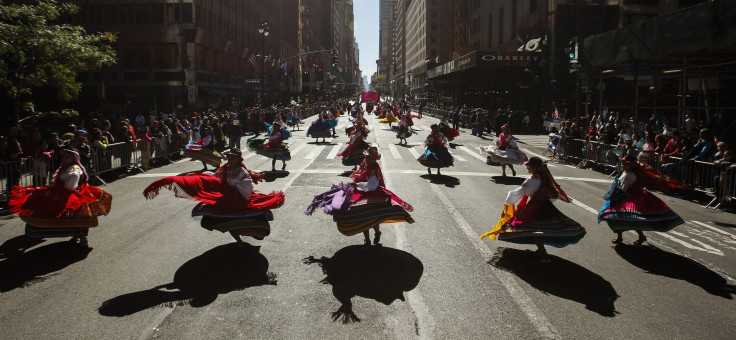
<point x="154" y="272"/>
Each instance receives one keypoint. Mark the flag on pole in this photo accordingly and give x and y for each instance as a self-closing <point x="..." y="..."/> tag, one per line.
<point x="285" y="68"/>
<point x="556" y="115"/>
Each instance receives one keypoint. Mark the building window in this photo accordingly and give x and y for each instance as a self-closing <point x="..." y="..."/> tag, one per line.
<point x="475" y="26"/>
<point x="141" y="14"/>
<point x="500" y="25"/>
<point x="513" y="19"/>
<point x="490" y="30"/>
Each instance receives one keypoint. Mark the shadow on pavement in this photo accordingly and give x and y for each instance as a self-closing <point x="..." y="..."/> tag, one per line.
<point x="725" y="225"/>
<point x="560" y="278"/>
<point x="448" y="181"/>
<point x="659" y="262"/>
<point x="374" y="272"/>
<point x="270" y="176"/>
<point x="21" y="269"/>
<point x="199" y="281"/>
<point x="346" y="173"/>
<point x="509" y="180"/>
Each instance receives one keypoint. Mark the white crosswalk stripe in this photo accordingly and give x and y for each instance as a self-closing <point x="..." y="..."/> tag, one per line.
<point x="335" y="150"/>
<point x="470" y="152"/>
<point x="459" y="158"/>
<point x="298" y="148"/>
<point x="414" y="152"/>
<point x="314" y="153"/>
<point x="394" y="152"/>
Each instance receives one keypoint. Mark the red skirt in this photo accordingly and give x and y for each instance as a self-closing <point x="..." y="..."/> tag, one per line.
<point x="211" y="190"/>
<point x="56" y="201"/>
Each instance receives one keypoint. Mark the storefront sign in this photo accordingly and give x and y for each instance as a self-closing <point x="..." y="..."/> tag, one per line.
<point x="509" y="58"/>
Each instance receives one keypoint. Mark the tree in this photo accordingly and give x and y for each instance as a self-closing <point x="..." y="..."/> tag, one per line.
<point x="379" y="82"/>
<point x="36" y="50"/>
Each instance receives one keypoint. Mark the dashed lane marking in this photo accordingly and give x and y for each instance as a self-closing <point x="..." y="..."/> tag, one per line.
<point x="315" y="152"/>
<point x="298" y="148"/>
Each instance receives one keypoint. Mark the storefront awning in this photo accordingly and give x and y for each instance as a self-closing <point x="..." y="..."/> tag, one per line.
<point x="486" y="60"/>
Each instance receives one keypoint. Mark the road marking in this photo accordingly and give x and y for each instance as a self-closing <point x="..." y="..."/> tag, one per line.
<point x="314" y="153"/>
<point x="424" y="321"/>
<point x="298" y="148"/>
<point x="394" y="152"/>
<point x="544" y="327"/>
<point x="689" y="245"/>
<point x="157" y="322"/>
<point x="414" y="152"/>
<point x="584" y="206"/>
<point x="474" y="154"/>
<point x="249" y="155"/>
<point x="715" y="229"/>
<point x="334" y="151"/>
<point x="460" y="158"/>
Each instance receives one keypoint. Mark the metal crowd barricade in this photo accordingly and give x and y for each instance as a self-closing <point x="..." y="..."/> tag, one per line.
<point x="22" y="173"/>
<point x="571" y="150"/>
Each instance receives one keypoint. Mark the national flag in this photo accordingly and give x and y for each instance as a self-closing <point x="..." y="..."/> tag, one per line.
<point x="604" y="114"/>
<point x="303" y="58"/>
<point x="285" y="68"/>
<point x="253" y="61"/>
<point x="556" y="115"/>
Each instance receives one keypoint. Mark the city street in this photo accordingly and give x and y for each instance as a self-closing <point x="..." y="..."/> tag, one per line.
<point x="153" y="272"/>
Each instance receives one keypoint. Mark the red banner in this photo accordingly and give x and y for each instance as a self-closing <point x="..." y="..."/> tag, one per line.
<point x="374" y="97"/>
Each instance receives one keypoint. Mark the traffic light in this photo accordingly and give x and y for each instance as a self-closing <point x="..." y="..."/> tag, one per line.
<point x="334" y="60"/>
<point x="573" y="51"/>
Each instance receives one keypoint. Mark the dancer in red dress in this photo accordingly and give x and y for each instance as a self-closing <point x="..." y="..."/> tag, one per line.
<point x="353" y="153"/>
<point x="228" y="202"/>
<point x="67" y="208"/>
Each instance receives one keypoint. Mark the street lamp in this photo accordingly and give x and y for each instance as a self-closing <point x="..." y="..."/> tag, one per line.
<point x="263" y="31"/>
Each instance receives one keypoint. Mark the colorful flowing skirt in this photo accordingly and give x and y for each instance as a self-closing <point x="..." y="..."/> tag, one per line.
<point x="639" y="210"/>
<point x="504" y="155"/>
<point x="196" y="152"/>
<point x="436" y="157"/>
<point x="354" y="155"/>
<point x="389" y="119"/>
<point x="220" y="207"/>
<point x="356" y="211"/>
<point x="53" y="211"/>
<point x="536" y="221"/>
<point x="449" y="132"/>
<point x="322" y="129"/>
<point x="402" y="133"/>
<point x="258" y="146"/>
<point x="244" y="222"/>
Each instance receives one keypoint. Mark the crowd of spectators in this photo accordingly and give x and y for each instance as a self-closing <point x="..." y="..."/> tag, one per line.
<point x="34" y="146"/>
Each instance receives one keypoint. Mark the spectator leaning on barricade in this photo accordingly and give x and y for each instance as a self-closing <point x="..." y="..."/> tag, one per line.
<point x="704" y="149"/>
<point x="99" y="145"/>
<point x="722" y="166"/>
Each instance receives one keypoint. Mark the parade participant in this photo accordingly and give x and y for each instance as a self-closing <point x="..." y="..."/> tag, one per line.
<point x="228" y="202"/>
<point x="506" y="151"/>
<point x="437" y="154"/>
<point x="390" y="118"/>
<point x="629" y="206"/>
<point x="204" y="149"/>
<point x="404" y="130"/>
<point x="449" y="132"/>
<point x="273" y="147"/>
<point x="321" y="128"/>
<point x="363" y="204"/>
<point x="536" y="220"/>
<point x="353" y="153"/>
<point x="294" y="120"/>
<point x="66" y="208"/>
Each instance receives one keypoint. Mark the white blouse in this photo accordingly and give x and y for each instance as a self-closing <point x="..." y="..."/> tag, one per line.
<point x="626" y="181"/>
<point x="528" y="188"/>
<point x="71" y="177"/>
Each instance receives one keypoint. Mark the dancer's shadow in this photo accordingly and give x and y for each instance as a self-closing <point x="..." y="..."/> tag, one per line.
<point x="199" y="281"/>
<point x="374" y="272"/>
<point x="725" y="225"/>
<point x="659" y="262"/>
<point x="448" y="181"/>
<point x="270" y="176"/>
<point x="346" y="173"/>
<point x="21" y="269"/>
<point x="508" y="180"/>
<point x="18" y="245"/>
<point x="325" y="143"/>
<point x="453" y="145"/>
<point x="560" y="278"/>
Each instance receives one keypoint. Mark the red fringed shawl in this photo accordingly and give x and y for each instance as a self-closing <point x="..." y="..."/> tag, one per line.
<point x="211" y="190"/>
